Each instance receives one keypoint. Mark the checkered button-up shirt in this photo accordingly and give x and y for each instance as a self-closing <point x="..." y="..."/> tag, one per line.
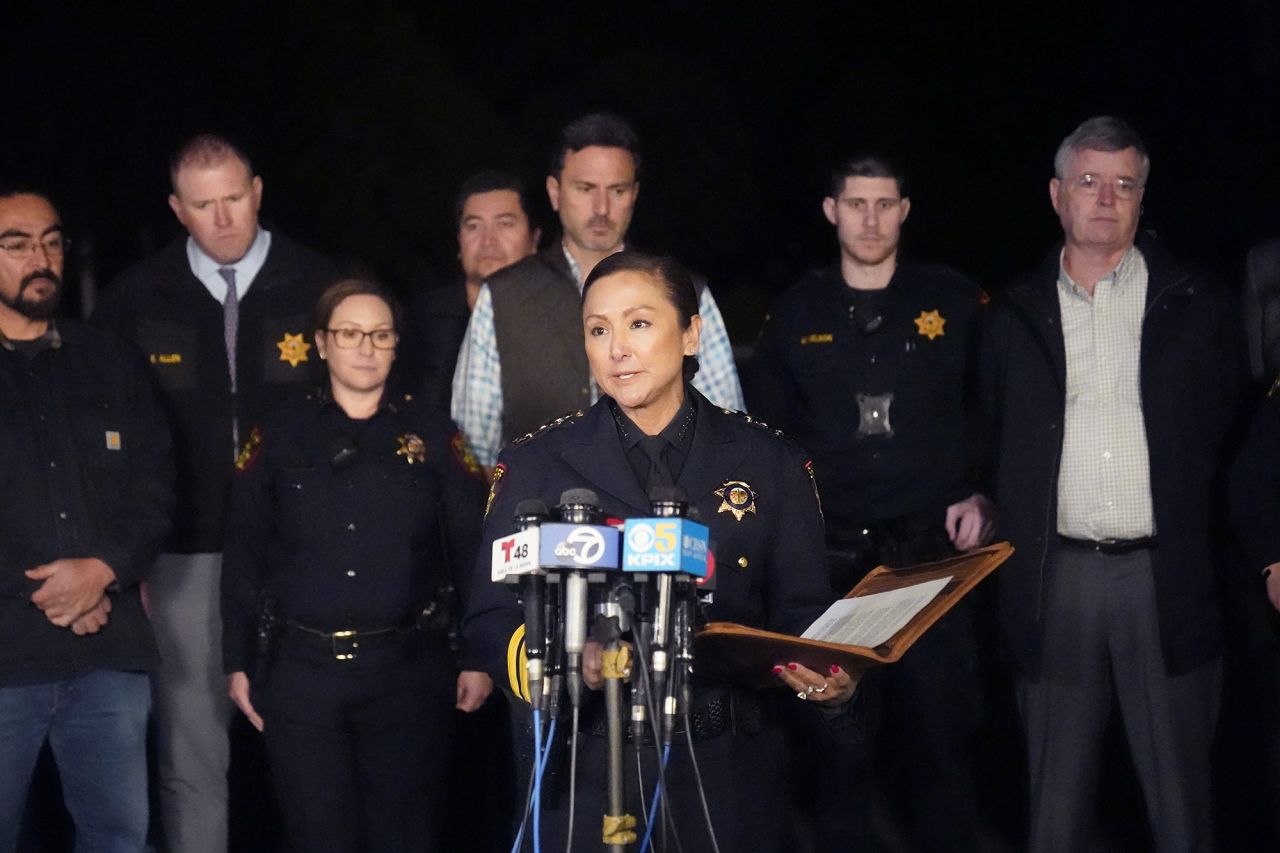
<point x="1104" y="478"/>
<point x="477" y="381"/>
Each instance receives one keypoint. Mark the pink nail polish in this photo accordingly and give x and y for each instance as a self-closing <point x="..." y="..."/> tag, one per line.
<point x="834" y="669"/>
<point x="777" y="670"/>
<point x="793" y="666"/>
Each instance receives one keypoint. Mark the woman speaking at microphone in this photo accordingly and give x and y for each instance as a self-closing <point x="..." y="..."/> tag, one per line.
<point x="348" y="509"/>
<point x="750" y="486"/>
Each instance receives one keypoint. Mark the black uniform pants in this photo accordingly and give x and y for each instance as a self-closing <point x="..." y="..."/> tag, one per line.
<point x="931" y="707"/>
<point x="359" y="749"/>
<point x="929" y="704"/>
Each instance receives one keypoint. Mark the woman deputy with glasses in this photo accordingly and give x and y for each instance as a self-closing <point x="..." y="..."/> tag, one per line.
<point x="352" y="512"/>
<point x="651" y="431"/>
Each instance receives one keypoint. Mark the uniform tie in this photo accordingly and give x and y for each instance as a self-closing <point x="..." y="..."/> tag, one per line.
<point x="659" y="474"/>
<point x="230" y="321"/>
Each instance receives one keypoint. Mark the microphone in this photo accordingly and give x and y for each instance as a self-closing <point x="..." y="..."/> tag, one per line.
<point x="514" y="559"/>
<point x="577" y="543"/>
<point x="516" y="556"/>
<point x="530" y="514"/>
<point x="642" y="632"/>
<point x="668" y="544"/>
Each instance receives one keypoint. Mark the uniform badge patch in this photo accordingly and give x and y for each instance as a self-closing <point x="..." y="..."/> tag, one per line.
<point x="113" y="440"/>
<point x="736" y="497"/>
<point x="293" y="349"/>
<point x="463" y="453"/>
<point x="249" y="451"/>
<point x="411" y="448"/>
<point x="499" y="471"/>
<point x="930" y="324"/>
<point x="166" y="358"/>
<point x="825" y="338"/>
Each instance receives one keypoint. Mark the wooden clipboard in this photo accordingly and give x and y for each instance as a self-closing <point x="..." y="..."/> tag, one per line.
<point x="732" y="652"/>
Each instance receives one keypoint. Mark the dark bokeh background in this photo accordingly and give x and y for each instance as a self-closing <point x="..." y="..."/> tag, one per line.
<point x="363" y="117"/>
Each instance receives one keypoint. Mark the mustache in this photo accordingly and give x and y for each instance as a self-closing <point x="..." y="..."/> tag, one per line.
<point x="599" y="221"/>
<point x="37" y="275"/>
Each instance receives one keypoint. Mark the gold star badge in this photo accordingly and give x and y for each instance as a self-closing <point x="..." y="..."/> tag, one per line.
<point x="412" y="448"/>
<point x="293" y="349"/>
<point x="930" y="324"/>
<point x="736" y="497"/>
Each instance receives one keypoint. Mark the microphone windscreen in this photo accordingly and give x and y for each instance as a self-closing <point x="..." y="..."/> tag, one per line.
<point x="579" y="496"/>
<point x="668" y="494"/>
<point x="532" y="506"/>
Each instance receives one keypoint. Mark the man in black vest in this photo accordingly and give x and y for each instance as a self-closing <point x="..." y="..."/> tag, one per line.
<point x="222" y="318"/>
<point x="522" y="361"/>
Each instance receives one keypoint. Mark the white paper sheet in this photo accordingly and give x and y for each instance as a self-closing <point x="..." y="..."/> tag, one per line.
<point x="870" y="620"/>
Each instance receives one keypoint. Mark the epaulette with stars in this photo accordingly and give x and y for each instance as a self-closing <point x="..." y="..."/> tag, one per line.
<point x="755" y="422"/>
<point x="761" y="425"/>
<point x="549" y="425"/>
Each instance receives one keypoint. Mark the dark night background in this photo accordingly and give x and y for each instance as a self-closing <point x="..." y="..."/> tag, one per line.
<point x="363" y="118"/>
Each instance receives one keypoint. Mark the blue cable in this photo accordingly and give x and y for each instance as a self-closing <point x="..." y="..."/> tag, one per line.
<point x="541" y="756"/>
<point x="538" y="747"/>
<point x="537" y="790"/>
<point x="653" y="805"/>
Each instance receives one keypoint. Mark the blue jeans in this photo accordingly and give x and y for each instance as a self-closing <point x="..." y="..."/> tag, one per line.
<point x="97" y="728"/>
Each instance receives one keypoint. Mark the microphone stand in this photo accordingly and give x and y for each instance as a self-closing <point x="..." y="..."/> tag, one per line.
<point x="618" y="826"/>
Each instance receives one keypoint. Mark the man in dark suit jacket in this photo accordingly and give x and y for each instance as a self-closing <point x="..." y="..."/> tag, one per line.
<point x="223" y="318"/>
<point x="1113" y="373"/>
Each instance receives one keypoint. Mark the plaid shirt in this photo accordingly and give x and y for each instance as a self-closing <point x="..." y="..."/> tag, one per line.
<point x="477" y="380"/>
<point x="1104" y="478"/>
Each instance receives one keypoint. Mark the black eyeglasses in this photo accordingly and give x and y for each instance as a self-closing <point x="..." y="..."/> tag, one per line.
<point x="348" y="338"/>
<point x="22" y="248"/>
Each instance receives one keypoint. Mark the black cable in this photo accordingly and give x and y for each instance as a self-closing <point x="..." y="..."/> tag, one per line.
<point x="697" y="776"/>
<point x="655" y="723"/>
<point x="573" y="780"/>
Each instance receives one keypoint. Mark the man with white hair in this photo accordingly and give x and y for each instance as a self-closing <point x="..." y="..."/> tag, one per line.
<point x="1112" y="375"/>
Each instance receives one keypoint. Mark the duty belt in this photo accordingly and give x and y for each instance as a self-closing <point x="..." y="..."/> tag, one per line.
<point x="344" y="645"/>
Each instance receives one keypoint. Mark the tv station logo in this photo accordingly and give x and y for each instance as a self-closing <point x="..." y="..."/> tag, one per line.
<point x="665" y="545"/>
<point x="578" y="546"/>
<point x="584" y="546"/>
<point x="514" y="555"/>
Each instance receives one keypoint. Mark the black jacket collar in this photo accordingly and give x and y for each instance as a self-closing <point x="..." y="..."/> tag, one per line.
<point x="596" y="453"/>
